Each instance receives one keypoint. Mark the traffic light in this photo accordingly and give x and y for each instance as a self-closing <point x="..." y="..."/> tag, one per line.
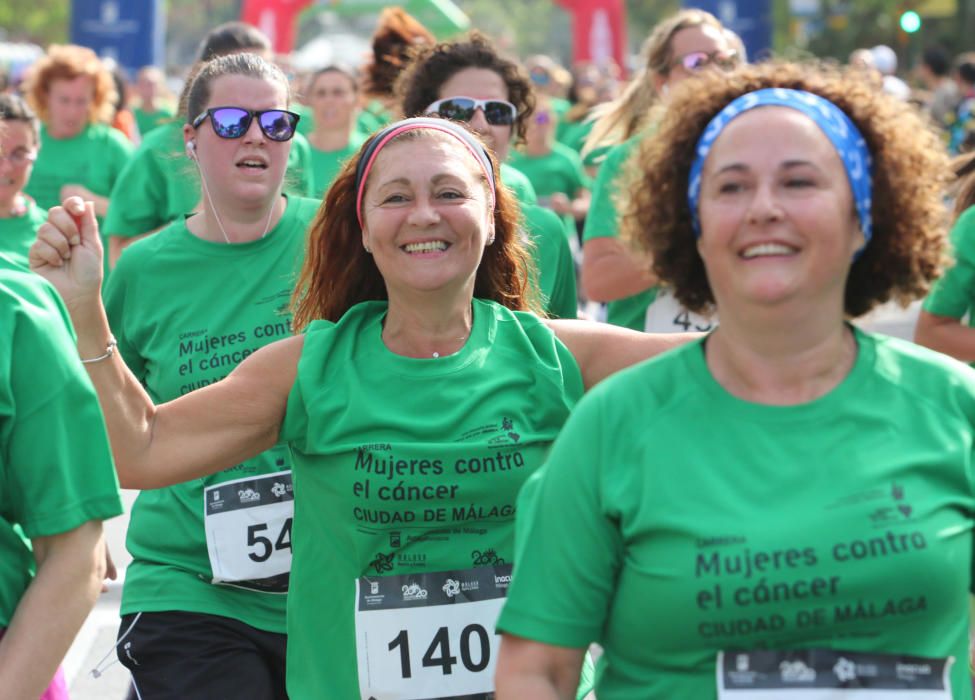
<point x="910" y="21"/>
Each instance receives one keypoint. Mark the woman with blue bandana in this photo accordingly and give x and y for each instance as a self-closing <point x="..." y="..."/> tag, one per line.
<point x="783" y="508"/>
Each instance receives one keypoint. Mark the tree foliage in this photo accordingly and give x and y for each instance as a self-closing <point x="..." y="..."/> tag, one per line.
<point x="41" y="22"/>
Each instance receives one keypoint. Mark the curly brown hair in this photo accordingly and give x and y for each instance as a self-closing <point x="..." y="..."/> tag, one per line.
<point x="338" y="273"/>
<point x="910" y="174"/>
<point x="419" y="85"/>
<point x="398" y="34"/>
<point x="67" y="62"/>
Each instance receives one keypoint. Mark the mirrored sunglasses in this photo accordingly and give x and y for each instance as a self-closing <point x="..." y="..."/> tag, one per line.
<point x="462" y="109"/>
<point x="698" y="60"/>
<point x="233" y="122"/>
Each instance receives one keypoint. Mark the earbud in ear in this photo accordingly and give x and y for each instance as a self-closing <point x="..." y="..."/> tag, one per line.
<point x="191" y="148"/>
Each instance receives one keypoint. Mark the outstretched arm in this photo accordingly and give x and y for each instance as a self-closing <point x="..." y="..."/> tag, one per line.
<point x="203" y="432"/>
<point x="602" y="349"/>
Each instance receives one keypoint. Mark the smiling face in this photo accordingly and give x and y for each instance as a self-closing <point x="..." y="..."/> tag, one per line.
<point x="249" y="169"/>
<point x="777" y="215"/>
<point x="16" y="140"/>
<point x="69" y="106"/>
<point x="426" y="215"/>
<point x="482" y="84"/>
<point x="333" y="98"/>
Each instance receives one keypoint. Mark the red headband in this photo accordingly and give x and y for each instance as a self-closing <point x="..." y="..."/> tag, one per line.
<point x="401" y="127"/>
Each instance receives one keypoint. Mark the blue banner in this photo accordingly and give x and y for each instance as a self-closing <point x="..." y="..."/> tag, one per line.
<point x="750" y="19"/>
<point x="129" y="31"/>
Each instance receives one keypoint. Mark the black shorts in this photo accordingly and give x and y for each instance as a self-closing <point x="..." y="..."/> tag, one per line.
<point x="192" y="656"/>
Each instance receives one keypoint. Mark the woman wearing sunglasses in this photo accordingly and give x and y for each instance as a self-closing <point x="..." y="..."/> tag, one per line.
<point x="159" y="184"/>
<point x="468" y="81"/>
<point x="20" y="216"/>
<point x="203" y="605"/>
<point x="680" y="47"/>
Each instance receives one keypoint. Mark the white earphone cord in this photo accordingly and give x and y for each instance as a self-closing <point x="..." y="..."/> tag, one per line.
<point x="216" y="214"/>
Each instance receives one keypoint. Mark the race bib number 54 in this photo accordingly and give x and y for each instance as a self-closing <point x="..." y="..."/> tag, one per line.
<point x="426" y="636"/>
<point x="248" y="529"/>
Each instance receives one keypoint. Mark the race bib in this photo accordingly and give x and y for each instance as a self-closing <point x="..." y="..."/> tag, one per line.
<point x="665" y="315"/>
<point x="431" y="635"/>
<point x="248" y="529"/>
<point x="827" y="674"/>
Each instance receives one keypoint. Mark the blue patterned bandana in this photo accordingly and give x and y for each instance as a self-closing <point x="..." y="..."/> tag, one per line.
<point x="841" y="131"/>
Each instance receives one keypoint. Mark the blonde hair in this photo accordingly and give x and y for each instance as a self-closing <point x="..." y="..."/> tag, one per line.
<point x="618" y="120"/>
<point x="68" y="62"/>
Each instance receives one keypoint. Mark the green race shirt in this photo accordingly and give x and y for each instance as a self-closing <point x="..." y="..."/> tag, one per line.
<point x="602" y="221"/>
<point x="94" y="158"/>
<point x="404" y="468"/>
<point x="56" y="470"/>
<point x="325" y="165"/>
<point x="553" y="260"/>
<point x="185" y="312"/>
<point x="160" y="184"/>
<point x="954" y="294"/>
<point x="673" y="521"/>
<point x="560" y="170"/>
<point x="17" y="233"/>
<point x="519" y="184"/>
<point x="147" y="121"/>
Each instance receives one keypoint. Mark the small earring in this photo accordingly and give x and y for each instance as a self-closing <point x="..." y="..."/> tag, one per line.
<point x="367" y="248"/>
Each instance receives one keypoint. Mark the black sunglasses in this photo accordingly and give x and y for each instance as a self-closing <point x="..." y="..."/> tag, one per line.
<point x="462" y="109"/>
<point x="233" y="122"/>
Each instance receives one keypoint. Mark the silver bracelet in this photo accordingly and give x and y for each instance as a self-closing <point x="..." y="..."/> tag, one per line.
<point x="109" y="351"/>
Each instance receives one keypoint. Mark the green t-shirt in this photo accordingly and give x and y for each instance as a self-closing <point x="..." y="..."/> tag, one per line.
<point x="56" y="470"/>
<point x="574" y="134"/>
<point x="519" y="184"/>
<point x="560" y="170"/>
<point x="842" y="523"/>
<point x="953" y="295"/>
<point x="147" y="121"/>
<point x="404" y="468"/>
<point x="602" y="221"/>
<point x="94" y="158"/>
<point x="553" y="259"/>
<point x="326" y="164"/>
<point x="17" y="233"/>
<point x="160" y="184"/>
<point x="306" y="122"/>
<point x="373" y="117"/>
<point x="234" y="300"/>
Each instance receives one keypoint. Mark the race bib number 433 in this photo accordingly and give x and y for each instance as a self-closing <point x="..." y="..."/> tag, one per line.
<point x="427" y="636"/>
<point x="248" y="529"/>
